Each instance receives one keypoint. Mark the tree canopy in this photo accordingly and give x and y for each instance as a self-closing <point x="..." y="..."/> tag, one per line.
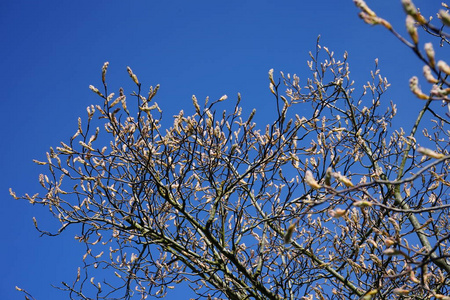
<point x="325" y="201"/>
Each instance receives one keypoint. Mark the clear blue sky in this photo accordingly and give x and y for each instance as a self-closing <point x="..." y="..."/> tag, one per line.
<point x="51" y="51"/>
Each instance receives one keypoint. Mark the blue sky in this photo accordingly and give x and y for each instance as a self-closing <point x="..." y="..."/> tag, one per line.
<point x="53" y="50"/>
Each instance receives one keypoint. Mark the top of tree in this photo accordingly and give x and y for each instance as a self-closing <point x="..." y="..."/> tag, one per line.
<point x="325" y="201"/>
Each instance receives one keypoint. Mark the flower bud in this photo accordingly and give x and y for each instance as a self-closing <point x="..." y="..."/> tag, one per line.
<point x="411" y="28"/>
<point x="411" y="10"/>
<point x="362" y="203"/>
<point x="271" y="76"/>
<point x="95" y="90"/>
<point x="309" y="180"/>
<point x="438" y="92"/>
<point x="338" y="212"/>
<point x="401" y="291"/>
<point x="361" y="4"/>
<point x="428" y="75"/>
<point x="133" y="76"/>
<point x="445" y="17"/>
<point x="443" y="67"/>
<point x="104" y="68"/>
<point x="414" y="87"/>
<point x="371" y="20"/>
<point x="430" y="53"/>
<point x="289" y="232"/>
<point x="430" y="153"/>
<point x="343" y="179"/>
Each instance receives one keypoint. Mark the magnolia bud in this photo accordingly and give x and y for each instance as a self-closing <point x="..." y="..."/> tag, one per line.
<point x="95" y="90"/>
<point x="289" y="232"/>
<point x="338" y="212"/>
<point x="445" y="17"/>
<point x="430" y="153"/>
<point x="428" y="76"/>
<point x="133" y="76"/>
<point x="104" y="68"/>
<point x="411" y="28"/>
<point x="430" y="53"/>
<point x="411" y="10"/>
<point x="442" y="66"/>
<point x="361" y="4"/>
<point x="414" y="86"/>
<point x="309" y="180"/>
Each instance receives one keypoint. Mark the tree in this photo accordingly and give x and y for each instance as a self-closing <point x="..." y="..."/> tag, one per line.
<point x="331" y="203"/>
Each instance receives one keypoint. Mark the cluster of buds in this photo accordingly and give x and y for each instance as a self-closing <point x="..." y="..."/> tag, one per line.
<point x="440" y="93"/>
<point x="412" y="11"/>
<point x="312" y="182"/>
<point x="369" y="16"/>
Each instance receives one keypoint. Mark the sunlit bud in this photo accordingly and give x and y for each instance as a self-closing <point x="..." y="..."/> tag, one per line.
<point x="362" y="203"/>
<point x="441" y="297"/>
<point x="430" y="53"/>
<point x="369" y="295"/>
<point x="343" y="179"/>
<point x="272" y="88"/>
<point x="385" y="23"/>
<point x="197" y="107"/>
<point x="414" y="86"/>
<point x="371" y="20"/>
<point x="430" y="153"/>
<point x="13" y="194"/>
<point x="445" y="17"/>
<point x="428" y="75"/>
<point x="117" y="100"/>
<point x="309" y="180"/>
<point x="83" y="144"/>
<point x="389" y="242"/>
<point x="124" y="103"/>
<point x="361" y="4"/>
<point x="411" y="10"/>
<point x="133" y="76"/>
<point x="413" y="277"/>
<point x="338" y="212"/>
<point x="271" y="76"/>
<point x="400" y="291"/>
<point x="39" y="162"/>
<point x="374" y="20"/>
<point x="104" y="68"/>
<point x="224" y="97"/>
<point x="289" y="232"/>
<point x="409" y="7"/>
<point x="391" y="252"/>
<point x="95" y="90"/>
<point x="413" y="82"/>
<point x="442" y="66"/>
<point x="411" y="28"/>
<point x="328" y="174"/>
<point x="438" y="92"/>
